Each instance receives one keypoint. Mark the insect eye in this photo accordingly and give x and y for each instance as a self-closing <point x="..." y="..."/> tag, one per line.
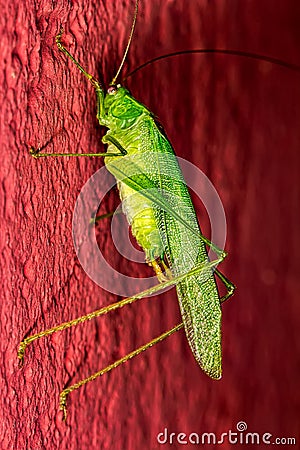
<point x="112" y="90"/>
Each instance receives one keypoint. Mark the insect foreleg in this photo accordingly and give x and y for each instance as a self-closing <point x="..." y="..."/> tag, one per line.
<point x="35" y="153"/>
<point x="96" y="84"/>
<point x="110" y="138"/>
<point x="107" y="138"/>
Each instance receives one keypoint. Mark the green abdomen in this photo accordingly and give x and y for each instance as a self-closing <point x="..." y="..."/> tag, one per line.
<point x="140" y="216"/>
<point x="139" y="213"/>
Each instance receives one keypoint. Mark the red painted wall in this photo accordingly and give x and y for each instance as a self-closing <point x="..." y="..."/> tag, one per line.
<point x="238" y="120"/>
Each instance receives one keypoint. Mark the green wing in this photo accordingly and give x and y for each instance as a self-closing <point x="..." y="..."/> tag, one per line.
<point x="198" y="295"/>
<point x="154" y="171"/>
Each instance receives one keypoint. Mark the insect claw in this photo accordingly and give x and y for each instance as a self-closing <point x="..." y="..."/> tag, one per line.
<point x="21" y="363"/>
<point x="163" y="273"/>
<point x="63" y="404"/>
<point x="34" y="152"/>
<point x="21" y="352"/>
<point x="167" y="271"/>
<point x="59" y="35"/>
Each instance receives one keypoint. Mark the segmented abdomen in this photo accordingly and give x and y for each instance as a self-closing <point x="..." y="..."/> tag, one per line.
<point x="139" y="213"/>
<point x="140" y="216"/>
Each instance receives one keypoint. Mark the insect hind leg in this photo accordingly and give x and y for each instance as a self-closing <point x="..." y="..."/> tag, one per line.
<point x="175" y="280"/>
<point x="68" y="390"/>
<point x="152" y="290"/>
<point x="228" y="284"/>
<point x="157" y="288"/>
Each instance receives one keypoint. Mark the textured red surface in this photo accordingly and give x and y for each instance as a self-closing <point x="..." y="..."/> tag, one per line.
<point x="238" y="120"/>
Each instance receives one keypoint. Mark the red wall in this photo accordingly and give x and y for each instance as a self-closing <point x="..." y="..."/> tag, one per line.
<point x="236" y="119"/>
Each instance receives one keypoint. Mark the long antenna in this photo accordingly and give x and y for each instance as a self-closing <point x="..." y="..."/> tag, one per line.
<point x="128" y="43"/>
<point x="221" y="51"/>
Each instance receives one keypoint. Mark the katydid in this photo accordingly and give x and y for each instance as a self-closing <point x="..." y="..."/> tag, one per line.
<point x="161" y="214"/>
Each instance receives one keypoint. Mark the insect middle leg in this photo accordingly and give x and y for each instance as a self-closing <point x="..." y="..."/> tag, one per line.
<point x="228" y="284"/>
<point x="142" y="348"/>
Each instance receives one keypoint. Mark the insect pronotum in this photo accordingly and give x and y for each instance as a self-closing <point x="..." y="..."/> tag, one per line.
<point x="162" y="218"/>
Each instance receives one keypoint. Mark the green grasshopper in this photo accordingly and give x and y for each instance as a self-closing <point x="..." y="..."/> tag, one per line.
<point x="163" y="221"/>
